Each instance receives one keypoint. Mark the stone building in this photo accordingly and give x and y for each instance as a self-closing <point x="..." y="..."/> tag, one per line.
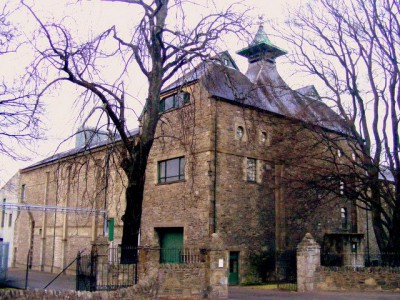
<point x="68" y="201"/>
<point x="8" y="196"/>
<point x="239" y="155"/>
<point x="248" y="158"/>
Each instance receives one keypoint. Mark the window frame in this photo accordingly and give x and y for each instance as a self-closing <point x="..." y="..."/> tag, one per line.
<point x="239" y="132"/>
<point x="251" y="169"/>
<point x="344" y="217"/>
<point x="162" y="167"/>
<point x="176" y="101"/>
<point x="23" y="192"/>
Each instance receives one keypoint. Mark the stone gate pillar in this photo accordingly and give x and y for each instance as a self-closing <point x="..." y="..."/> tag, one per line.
<point x="308" y="259"/>
<point x="218" y="268"/>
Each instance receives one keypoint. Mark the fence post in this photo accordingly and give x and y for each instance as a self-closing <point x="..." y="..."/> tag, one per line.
<point x="28" y="266"/>
<point x="218" y="268"/>
<point x="77" y="275"/>
<point x="93" y="269"/>
<point x="308" y="259"/>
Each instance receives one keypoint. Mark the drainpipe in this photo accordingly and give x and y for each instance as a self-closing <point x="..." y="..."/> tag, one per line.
<point x="107" y="172"/>
<point x="215" y="169"/>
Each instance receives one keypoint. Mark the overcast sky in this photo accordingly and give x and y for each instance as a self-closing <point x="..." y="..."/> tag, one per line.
<point x="91" y="16"/>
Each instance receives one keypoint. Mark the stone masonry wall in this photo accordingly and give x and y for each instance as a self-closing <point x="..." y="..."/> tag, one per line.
<point x="364" y="279"/>
<point x="145" y="290"/>
<point x="311" y="276"/>
<point x="182" y="281"/>
<point x="252" y="218"/>
<point x="76" y="182"/>
<point x="183" y="132"/>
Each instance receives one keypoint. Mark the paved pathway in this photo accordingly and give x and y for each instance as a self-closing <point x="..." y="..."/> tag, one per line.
<point x="38" y="280"/>
<point x="247" y="293"/>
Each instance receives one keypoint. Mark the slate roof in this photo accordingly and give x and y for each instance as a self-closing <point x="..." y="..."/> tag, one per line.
<point x="264" y="89"/>
<point x="78" y="150"/>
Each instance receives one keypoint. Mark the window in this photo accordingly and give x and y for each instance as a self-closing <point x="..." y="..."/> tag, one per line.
<point x="341" y="187"/>
<point x="171" y="170"/>
<point x="3" y="214"/>
<point x="353" y="247"/>
<point x="174" y="101"/>
<point x="23" y="192"/>
<point x="251" y="169"/>
<point x="239" y="132"/>
<point x="9" y="220"/>
<point x="343" y="217"/>
<point x="263" y="137"/>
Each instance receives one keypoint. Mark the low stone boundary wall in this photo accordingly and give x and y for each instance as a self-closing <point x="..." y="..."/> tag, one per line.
<point x="146" y="290"/>
<point x="365" y="279"/>
<point x="311" y="276"/>
<point x="181" y="281"/>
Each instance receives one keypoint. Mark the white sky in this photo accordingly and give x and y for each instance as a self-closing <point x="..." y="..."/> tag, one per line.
<point x="95" y="15"/>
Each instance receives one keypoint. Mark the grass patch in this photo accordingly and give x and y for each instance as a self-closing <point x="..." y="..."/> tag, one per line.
<point x="272" y="286"/>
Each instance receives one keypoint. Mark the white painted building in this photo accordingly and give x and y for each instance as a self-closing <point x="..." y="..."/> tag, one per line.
<point x="9" y="194"/>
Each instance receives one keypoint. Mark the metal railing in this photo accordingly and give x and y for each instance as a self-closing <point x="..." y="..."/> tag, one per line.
<point x="113" y="270"/>
<point x="4" y="250"/>
<point x="360" y="259"/>
<point x="181" y="256"/>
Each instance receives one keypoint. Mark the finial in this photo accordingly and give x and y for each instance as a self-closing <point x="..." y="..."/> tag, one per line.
<point x="261" y="20"/>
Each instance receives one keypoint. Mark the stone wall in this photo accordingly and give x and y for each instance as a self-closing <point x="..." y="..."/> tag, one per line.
<point x="182" y="281"/>
<point x="207" y="278"/>
<point x="145" y="290"/>
<point x="311" y="276"/>
<point x="365" y="279"/>
<point x="76" y="182"/>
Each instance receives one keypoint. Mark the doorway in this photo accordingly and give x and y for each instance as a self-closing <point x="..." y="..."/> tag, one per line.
<point x="233" y="278"/>
<point x="171" y="244"/>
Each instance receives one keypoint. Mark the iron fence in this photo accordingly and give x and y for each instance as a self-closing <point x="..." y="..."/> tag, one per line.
<point x="181" y="256"/>
<point x="109" y="271"/>
<point x="4" y="248"/>
<point x="360" y="259"/>
<point x="286" y="270"/>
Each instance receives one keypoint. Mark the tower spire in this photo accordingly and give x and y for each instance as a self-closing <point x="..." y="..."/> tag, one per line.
<point x="261" y="47"/>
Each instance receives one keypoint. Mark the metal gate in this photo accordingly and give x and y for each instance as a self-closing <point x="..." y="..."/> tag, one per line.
<point x="286" y="270"/>
<point x="4" y="247"/>
<point x="96" y="272"/>
<point x="86" y="271"/>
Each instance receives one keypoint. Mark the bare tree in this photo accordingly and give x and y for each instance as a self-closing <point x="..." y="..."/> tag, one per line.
<point x="159" y="48"/>
<point x="18" y="112"/>
<point x="352" y="47"/>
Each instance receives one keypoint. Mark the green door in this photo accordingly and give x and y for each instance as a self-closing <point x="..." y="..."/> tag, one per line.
<point x="233" y="278"/>
<point x="171" y="243"/>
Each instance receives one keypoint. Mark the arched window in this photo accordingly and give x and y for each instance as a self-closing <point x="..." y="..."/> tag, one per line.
<point x="343" y="217"/>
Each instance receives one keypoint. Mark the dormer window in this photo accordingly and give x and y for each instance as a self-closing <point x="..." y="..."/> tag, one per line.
<point x="174" y="101"/>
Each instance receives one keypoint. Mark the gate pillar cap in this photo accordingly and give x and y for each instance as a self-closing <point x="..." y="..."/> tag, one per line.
<point x="308" y="241"/>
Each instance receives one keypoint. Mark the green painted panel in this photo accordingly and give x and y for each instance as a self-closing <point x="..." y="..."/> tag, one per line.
<point x="171" y="242"/>
<point x="233" y="278"/>
<point x="111" y="229"/>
